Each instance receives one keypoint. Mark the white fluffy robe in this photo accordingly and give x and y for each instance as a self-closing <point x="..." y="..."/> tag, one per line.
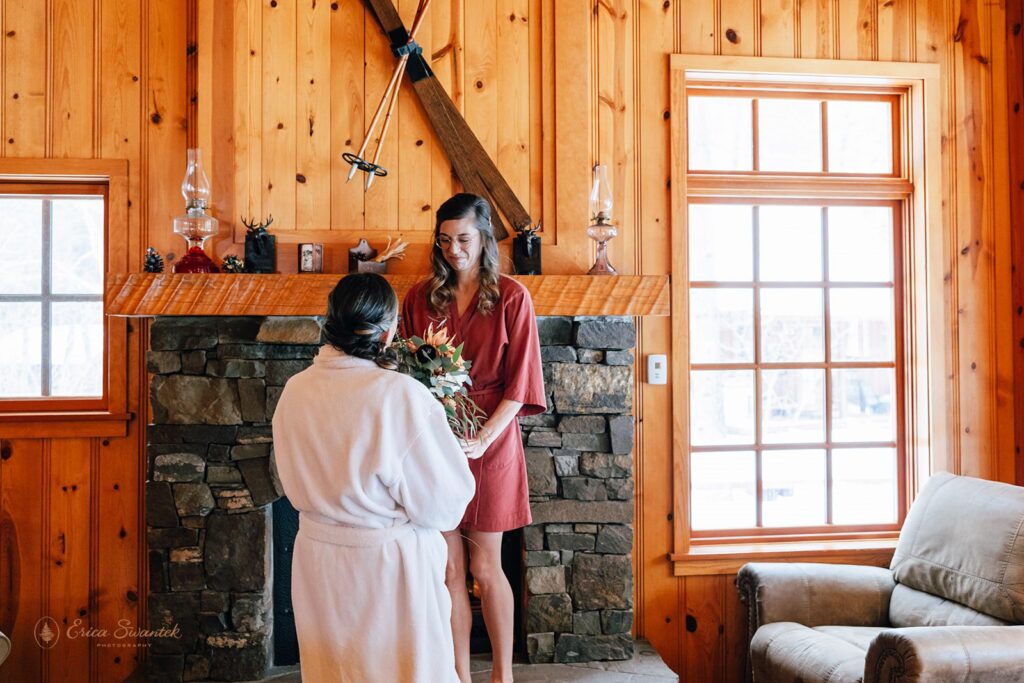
<point x="367" y="458"/>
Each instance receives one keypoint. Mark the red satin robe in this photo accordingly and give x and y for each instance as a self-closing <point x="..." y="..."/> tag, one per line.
<point x="505" y="351"/>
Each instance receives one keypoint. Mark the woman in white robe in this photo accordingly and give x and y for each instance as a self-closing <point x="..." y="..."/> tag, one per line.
<point x="366" y="456"/>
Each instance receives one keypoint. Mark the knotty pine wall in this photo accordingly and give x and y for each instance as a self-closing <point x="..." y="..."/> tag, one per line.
<point x="550" y="87"/>
<point x="87" y="79"/>
<point x="553" y="87"/>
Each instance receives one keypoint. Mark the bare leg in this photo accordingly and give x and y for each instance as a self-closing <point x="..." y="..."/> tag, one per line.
<point x="495" y="598"/>
<point x="462" y="616"/>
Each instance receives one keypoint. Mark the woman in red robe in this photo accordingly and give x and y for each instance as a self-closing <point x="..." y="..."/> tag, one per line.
<point x="493" y="316"/>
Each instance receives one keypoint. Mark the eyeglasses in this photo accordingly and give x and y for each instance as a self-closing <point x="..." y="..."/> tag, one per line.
<point x="444" y="241"/>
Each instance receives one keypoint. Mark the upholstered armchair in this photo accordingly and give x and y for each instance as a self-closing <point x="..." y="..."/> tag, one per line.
<point x="5" y="647"/>
<point x="949" y="608"/>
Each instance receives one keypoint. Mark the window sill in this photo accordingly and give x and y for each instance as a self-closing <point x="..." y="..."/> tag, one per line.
<point x="63" y="424"/>
<point x="727" y="559"/>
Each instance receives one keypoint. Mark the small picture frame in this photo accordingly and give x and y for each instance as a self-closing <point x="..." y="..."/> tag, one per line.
<point x="311" y="257"/>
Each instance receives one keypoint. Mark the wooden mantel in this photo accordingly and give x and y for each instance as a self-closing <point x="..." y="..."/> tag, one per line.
<point x="166" y="294"/>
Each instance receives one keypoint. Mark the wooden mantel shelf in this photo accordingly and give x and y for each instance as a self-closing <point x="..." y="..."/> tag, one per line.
<point x="166" y="294"/>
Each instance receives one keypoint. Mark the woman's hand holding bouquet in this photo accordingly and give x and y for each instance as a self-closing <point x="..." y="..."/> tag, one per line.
<point x="435" y="362"/>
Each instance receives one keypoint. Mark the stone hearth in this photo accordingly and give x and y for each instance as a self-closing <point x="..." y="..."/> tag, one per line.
<point x="210" y="487"/>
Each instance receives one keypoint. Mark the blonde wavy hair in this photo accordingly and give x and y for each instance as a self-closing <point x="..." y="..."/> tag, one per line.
<point x="443" y="280"/>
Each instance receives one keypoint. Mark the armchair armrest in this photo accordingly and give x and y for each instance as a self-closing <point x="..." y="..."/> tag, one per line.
<point x="941" y="654"/>
<point x="814" y="594"/>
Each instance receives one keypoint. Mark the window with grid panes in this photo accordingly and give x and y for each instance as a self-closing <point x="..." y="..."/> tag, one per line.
<point x="795" y="352"/>
<point x="52" y="264"/>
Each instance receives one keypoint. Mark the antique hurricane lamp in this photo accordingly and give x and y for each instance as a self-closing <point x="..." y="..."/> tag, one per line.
<point x="601" y="229"/>
<point x="195" y="225"/>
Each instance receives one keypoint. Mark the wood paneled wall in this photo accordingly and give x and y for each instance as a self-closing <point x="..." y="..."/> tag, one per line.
<point x="551" y="88"/>
<point x="88" y="79"/>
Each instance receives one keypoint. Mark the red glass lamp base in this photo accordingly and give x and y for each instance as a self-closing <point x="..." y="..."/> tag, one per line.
<point x="195" y="261"/>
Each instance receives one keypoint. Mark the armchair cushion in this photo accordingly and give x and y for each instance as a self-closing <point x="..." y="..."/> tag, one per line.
<point x="785" y="652"/>
<point x="951" y="654"/>
<point x="815" y="594"/>
<point x="975" y="559"/>
<point x="909" y="607"/>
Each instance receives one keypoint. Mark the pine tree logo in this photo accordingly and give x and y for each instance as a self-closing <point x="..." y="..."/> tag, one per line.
<point x="47" y="633"/>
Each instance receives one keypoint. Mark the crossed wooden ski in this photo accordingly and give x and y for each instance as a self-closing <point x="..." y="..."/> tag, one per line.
<point x="473" y="166"/>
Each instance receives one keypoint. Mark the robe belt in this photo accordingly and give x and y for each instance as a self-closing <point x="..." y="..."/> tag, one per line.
<point x="351" y="536"/>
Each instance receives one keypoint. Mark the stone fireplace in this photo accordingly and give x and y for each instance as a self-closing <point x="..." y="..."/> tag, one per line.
<point x="210" y="490"/>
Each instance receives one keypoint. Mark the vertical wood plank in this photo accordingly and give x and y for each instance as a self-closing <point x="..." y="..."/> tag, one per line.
<point x="120" y="552"/>
<point x="73" y="78"/>
<point x="381" y="202"/>
<point x="348" y="26"/>
<point x="895" y="27"/>
<point x="166" y="104"/>
<point x="23" y="570"/>
<point x="24" y="120"/>
<point x="736" y="638"/>
<point x="536" y="28"/>
<point x="705" y="628"/>
<point x="68" y="548"/>
<point x="481" y="110"/>
<point x="446" y="61"/>
<point x="279" y="112"/>
<point x="248" y="111"/>
<point x="698" y="21"/>
<point x="1003" y="344"/>
<point x="975" y="241"/>
<point x="410" y="138"/>
<point x="573" y="121"/>
<point x="737" y="27"/>
<point x="777" y="29"/>
<point x="513" y="95"/>
<point x="858" y="29"/>
<point x="545" y="91"/>
<point x="313" y="111"/>
<point x="121" y="104"/>
<point x="816" y="29"/>
<point x="1014" y="36"/>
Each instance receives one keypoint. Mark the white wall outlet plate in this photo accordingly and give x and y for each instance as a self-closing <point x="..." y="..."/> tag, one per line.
<point x="657" y="368"/>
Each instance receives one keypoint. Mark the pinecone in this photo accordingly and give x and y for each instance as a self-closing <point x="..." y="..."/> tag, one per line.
<point x="153" y="263"/>
<point x="232" y="264"/>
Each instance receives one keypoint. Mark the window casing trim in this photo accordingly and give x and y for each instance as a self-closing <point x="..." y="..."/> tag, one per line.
<point x="90" y="416"/>
<point x="924" y="328"/>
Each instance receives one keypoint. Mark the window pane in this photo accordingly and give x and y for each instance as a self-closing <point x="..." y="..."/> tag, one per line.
<point x="862" y="324"/>
<point x="863" y="485"/>
<point x="721" y="134"/>
<point x="860" y="244"/>
<point x="21" y="349"/>
<point x="792" y="325"/>
<point x="790" y="243"/>
<point x="793" y="488"/>
<point x="862" y="404"/>
<point x="77" y="246"/>
<point x="723" y="490"/>
<point x="721" y="407"/>
<point x="859" y="136"/>
<point x="792" y="406"/>
<point x="721" y="325"/>
<point x="76" y="344"/>
<point x="789" y="135"/>
<point x="21" y="246"/>
<point x="721" y="242"/>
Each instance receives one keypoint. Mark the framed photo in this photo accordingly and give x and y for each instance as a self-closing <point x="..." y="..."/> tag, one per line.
<point x="311" y="257"/>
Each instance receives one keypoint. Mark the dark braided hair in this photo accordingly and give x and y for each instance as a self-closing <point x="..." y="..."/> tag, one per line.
<point x="360" y="311"/>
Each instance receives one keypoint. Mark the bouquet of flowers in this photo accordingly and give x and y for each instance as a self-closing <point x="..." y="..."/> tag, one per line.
<point x="438" y="364"/>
